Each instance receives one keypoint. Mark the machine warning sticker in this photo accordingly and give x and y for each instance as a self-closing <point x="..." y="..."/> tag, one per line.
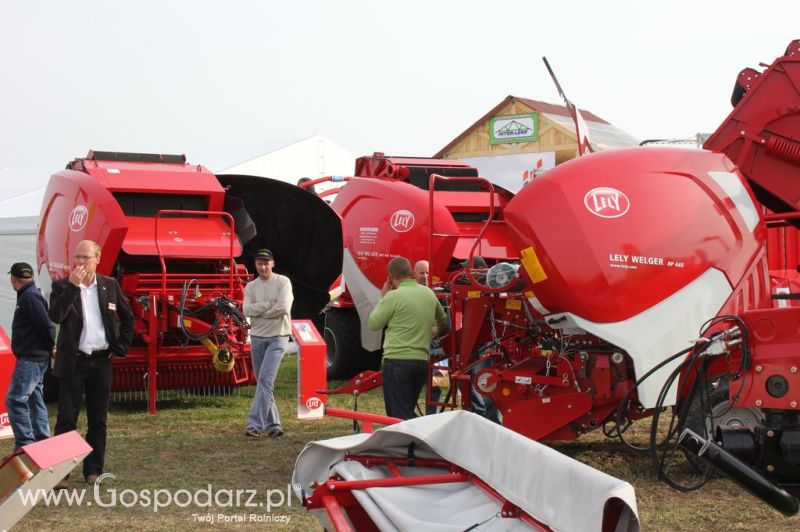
<point x="633" y="262"/>
<point x="367" y="235"/>
<point x="533" y="300"/>
<point x="532" y="265"/>
<point x="513" y="304"/>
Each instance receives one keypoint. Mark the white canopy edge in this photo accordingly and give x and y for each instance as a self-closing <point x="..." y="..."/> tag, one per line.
<point x="556" y="490"/>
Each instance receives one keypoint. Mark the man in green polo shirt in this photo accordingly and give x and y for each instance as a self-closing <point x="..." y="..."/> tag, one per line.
<point x="409" y="312"/>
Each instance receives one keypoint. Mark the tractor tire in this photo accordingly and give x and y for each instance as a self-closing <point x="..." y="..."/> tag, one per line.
<point x="722" y="415"/>
<point x="345" y="356"/>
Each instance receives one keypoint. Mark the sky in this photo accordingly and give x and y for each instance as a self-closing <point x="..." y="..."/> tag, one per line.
<point x="402" y="77"/>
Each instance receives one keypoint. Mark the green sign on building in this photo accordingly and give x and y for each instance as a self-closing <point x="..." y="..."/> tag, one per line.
<point x="514" y="128"/>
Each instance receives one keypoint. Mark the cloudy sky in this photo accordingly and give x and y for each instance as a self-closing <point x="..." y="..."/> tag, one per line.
<point x="403" y="77"/>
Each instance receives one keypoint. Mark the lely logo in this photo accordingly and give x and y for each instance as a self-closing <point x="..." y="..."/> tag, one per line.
<point x="402" y="221"/>
<point x="78" y="217"/>
<point x="312" y="403"/>
<point x="606" y="202"/>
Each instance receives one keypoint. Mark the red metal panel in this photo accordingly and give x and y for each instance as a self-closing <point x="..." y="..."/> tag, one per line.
<point x="312" y="370"/>
<point x="774" y="345"/>
<point x="7" y="363"/>
<point x="53" y="451"/>
<point x="181" y="237"/>
<point x="495" y="243"/>
<point x="536" y="418"/>
<point x="672" y="223"/>
<point x="77" y="207"/>
<point x="122" y="176"/>
<point x="760" y="134"/>
<point x="385" y="218"/>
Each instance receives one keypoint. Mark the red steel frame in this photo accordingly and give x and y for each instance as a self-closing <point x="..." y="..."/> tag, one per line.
<point x="153" y="348"/>
<point x="335" y="495"/>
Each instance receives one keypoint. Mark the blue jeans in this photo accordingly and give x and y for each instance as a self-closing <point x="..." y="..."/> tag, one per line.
<point x="266" y="353"/>
<point x="25" y="402"/>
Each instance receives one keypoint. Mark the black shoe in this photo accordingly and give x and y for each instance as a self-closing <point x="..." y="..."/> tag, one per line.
<point x="275" y="433"/>
<point x="252" y="433"/>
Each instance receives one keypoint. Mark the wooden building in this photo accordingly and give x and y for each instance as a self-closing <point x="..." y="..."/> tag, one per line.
<point x="520" y="138"/>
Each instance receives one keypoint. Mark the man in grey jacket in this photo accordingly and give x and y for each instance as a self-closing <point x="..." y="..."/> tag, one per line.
<point x="268" y="303"/>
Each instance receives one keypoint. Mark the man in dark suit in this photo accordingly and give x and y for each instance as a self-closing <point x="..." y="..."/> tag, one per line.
<point x="96" y="323"/>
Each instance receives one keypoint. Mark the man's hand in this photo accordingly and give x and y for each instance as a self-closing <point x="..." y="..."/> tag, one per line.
<point x="387" y="287"/>
<point x="53" y="352"/>
<point x="77" y="275"/>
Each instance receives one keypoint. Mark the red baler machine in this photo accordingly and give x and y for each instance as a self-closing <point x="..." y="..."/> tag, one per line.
<point x="178" y="239"/>
<point x="619" y="283"/>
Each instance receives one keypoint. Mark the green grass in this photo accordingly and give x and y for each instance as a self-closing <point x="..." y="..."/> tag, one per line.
<point x="195" y="441"/>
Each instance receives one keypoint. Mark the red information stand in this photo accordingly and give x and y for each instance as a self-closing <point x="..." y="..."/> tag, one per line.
<point x="311" y="370"/>
<point x="6" y="369"/>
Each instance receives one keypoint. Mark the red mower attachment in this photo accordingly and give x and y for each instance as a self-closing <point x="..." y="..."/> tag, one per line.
<point x="419" y="475"/>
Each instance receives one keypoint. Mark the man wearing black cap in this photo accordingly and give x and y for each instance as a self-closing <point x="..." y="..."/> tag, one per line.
<point x="268" y="302"/>
<point x="32" y="336"/>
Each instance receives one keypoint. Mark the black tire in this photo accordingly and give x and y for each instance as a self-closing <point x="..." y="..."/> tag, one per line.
<point x="345" y="356"/>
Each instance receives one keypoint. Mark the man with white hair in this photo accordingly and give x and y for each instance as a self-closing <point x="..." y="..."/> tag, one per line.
<point x="96" y="324"/>
<point x="409" y="311"/>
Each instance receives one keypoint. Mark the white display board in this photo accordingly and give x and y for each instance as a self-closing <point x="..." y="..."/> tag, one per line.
<point x="513" y="171"/>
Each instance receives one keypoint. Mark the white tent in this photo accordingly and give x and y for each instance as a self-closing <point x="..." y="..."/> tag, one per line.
<point x="288" y="161"/>
<point x="22" y="190"/>
<point x="20" y="201"/>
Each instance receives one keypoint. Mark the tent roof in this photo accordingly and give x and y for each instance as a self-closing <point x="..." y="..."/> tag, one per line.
<point x="21" y="196"/>
<point x="219" y="159"/>
<point x="23" y="188"/>
<point x="21" y="180"/>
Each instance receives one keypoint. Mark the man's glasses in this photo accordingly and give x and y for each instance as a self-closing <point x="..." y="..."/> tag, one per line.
<point x="84" y="257"/>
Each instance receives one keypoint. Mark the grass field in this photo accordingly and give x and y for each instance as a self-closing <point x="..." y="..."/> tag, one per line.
<point x="197" y="441"/>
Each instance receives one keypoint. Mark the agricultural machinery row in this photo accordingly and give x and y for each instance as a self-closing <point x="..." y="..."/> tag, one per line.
<point x="620" y="285"/>
<point x="633" y="283"/>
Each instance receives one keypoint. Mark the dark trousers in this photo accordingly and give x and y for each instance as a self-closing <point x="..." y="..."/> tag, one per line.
<point x="402" y="382"/>
<point x="94" y="377"/>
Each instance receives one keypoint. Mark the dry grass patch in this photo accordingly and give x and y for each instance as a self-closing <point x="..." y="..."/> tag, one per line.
<point x="197" y="441"/>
